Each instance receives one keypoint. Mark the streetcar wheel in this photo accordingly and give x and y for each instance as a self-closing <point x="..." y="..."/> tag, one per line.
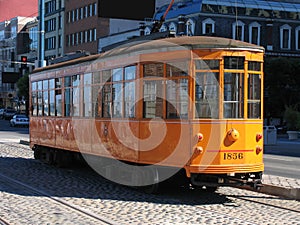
<point x="210" y="189"/>
<point x="36" y="153"/>
<point x="153" y="177"/>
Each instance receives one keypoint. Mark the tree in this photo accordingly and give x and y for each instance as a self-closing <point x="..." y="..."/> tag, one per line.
<point x="282" y="85"/>
<point x="23" y="90"/>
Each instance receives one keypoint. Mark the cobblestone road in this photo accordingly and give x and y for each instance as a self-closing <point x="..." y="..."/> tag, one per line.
<point x="121" y="205"/>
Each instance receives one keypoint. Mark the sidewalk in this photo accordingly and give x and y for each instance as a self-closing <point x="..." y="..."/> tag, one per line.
<point x="281" y="186"/>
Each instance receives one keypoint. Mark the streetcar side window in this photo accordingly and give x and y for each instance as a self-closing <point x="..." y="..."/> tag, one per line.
<point x="177" y="69"/>
<point x="45" y="98"/>
<point x="75" y="91"/>
<point x="87" y="95"/>
<point x="40" y="98"/>
<point x="254" y="89"/>
<point x="106" y="93"/>
<point x="207" y="95"/>
<point x="153" y="70"/>
<point x="117" y="100"/>
<point x="58" y="97"/>
<point x="96" y="94"/>
<point x="177" y="98"/>
<point x="68" y="96"/>
<point x="34" y="99"/>
<point x="51" y="97"/>
<point x="129" y="91"/>
<point x="153" y="99"/>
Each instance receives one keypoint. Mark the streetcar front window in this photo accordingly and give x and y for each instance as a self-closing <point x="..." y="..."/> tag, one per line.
<point x="233" y="95"/>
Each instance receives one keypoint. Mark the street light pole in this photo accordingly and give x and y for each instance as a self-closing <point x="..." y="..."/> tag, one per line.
<point x="42" y="33"/>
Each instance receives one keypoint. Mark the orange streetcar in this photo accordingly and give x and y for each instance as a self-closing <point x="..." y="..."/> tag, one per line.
<point x="182" y="108"/>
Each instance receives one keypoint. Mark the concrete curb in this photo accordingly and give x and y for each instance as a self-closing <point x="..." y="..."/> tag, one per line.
<point x="23" y="142"/>
<point x="291" y="193"/>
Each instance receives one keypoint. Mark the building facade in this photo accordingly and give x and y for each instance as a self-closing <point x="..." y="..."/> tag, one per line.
<point x="272" y="24"/>
<point x="14" y="43"/>
<point x="83" y="27"/>
<point x="51" y="29"/>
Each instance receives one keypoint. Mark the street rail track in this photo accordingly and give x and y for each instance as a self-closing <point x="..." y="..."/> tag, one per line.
<point x="263" y="203"/>
<point x="4" y="222"/>
<point x="223" y="197"/>
<point x="57" y="200"/>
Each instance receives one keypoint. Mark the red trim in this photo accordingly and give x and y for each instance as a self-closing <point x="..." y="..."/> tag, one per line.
<point x="224" y="150"/>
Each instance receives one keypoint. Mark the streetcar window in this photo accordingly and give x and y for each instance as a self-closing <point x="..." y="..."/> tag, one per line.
<point x="58" y="103"/>
<point x="96" y="78"/>
<point x="33" y="86"/>
<point x="34" y="99"/>
<point x="153" y="99"/>
<point x="233" y="95"/>
<point x="177" y="98"/>
<point x="75" y="80"/>
<point x="254" y="95"/>
<point x="45" y="85"/>
<point x="34" y="103"/>
<point x="75" y="101"/>
<point x="177" y="69"/>
<point x="129" y="100"/>
<point x="51" y="84"/>
<point x="130" y="72"/>
<point x="117" y="74"/>
<point x="58" y="82"/>
<point x="67" y="81"/>
<point x="40" y="85"/>
<point x="207" y="95"/>
<point x="68" y="101"/>
<point x="40" y="103"/>
<point x="207" y="64"/>
<point x="233" y="62"/>
<point x="46" y="103"/>
<point x="106" y="101"/>
<point x="153" y="69"/>
<point x="117" y="100"/>
<point x="87" y="95"/>
<point x="58" y="97"/>
<point x="106" y="76"/>
<point x="96" y="100"/>
<point x="254" y="66"/>
<point x="52" y="103"/>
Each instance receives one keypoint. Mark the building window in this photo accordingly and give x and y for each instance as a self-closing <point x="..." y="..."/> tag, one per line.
<point x="147" y="30"/>
<point x="254" y="33"/>
<point x="297" y="32"/>
<point x="163" y="28"/>
<point x="173" y="27"/>
<point x="50" y="25"/>
<point x="50" y="6"/>
<point x="208" y="26"/>
<point x="238" y="30"/>
<point x="285" y="37"/>
<point x="50" y="43"/>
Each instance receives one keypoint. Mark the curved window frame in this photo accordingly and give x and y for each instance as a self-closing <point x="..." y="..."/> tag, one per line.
<point x="282" y="38"/>
<point x="206" y="22"/>
<point x="254" y="25"/>
<point x="234" y="28"/>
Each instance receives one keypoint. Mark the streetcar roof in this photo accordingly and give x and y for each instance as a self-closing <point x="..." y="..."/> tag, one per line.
<point x="163" y="45"/>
